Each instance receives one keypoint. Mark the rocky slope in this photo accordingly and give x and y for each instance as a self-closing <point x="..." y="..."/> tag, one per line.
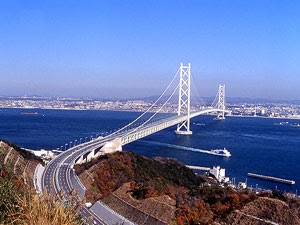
<point x="18" y="162"/>
<point x="19" y="202"/>
<point x="264" y="211"/>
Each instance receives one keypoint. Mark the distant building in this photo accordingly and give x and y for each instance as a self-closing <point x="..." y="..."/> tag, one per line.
<point x="242" y="185"/>
<point x="219" y="174"/>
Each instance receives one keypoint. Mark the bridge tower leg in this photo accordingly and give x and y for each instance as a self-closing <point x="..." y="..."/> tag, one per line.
<point x="184" y="100"/>
<point x="221" y="102"/>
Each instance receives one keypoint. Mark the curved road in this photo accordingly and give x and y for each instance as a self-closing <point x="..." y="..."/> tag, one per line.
<point x="59" y="176"/>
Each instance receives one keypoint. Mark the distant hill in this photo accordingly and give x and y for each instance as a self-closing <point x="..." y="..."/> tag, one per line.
<point x="232" y="100"/>
<point x="174" y="99"/>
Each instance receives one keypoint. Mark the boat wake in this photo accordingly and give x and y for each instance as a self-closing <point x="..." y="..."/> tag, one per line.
<point x="199" y="124"/>
<point x="211" y="152"/>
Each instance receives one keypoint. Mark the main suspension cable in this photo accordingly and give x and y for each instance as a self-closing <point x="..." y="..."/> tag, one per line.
<point x="214" y="102"/>
<point x="148" y="108"/>
<point x="155" y="112"/>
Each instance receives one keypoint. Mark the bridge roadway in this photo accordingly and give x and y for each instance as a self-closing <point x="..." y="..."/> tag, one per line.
<point x="59" y="175"/>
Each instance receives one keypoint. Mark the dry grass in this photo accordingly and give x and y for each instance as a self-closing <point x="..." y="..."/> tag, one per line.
<point x="19" y="203"/>
<point x="45" y="210"/>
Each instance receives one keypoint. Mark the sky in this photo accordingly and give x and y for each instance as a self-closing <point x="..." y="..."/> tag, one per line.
<point x="126" y="48"/>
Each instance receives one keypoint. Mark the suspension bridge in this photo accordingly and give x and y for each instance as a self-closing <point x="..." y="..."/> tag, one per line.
<point x="59" y="176"/>
<point x="130" y="133"/>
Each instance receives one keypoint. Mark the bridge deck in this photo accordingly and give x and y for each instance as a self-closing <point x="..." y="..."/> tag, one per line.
<point x="135" y="134"/>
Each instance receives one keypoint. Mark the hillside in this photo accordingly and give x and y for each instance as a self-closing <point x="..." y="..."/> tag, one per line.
<point x="163" y="191"/>
<point x="19" y="202"/>
<point x="148" y="177"/>
<point x="145" y="184"/>
<point x="271" y="210"/>
<point x="18" y="162"/>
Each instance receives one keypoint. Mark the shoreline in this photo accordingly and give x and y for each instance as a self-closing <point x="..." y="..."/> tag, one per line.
<point x="265" y="117"/>
<point x="112" y="110"/>
<point x="115" y="110"/>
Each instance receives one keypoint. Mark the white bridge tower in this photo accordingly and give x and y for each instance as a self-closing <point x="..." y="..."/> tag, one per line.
<point x="221" y="102"/>
<point x="184" y="100"/>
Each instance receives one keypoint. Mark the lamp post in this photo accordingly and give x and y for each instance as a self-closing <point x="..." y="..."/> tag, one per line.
<point x="80" y="140"/>
<point x="71" y="144"/>
<point x="66" y="147"/>
<point x="85" y="138"/>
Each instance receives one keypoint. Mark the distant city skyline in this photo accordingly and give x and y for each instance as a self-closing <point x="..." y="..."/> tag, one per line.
<point x="132" y="49"/>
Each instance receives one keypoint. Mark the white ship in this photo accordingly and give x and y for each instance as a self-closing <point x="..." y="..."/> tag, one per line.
<point x="221" y="152"/>
<point x="219" y="118"/>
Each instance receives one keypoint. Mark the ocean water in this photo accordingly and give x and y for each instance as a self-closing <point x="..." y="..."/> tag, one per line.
<point x="256" y="144"/>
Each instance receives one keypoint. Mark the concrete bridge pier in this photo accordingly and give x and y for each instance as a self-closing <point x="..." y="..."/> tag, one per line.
<point x="109" y="147"/>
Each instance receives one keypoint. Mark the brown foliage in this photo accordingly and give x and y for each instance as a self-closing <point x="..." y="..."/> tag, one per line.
<point x="148" y="177"/>
<point x="196" y="203"/>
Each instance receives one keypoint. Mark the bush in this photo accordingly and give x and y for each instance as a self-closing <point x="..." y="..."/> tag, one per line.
<point x="9" y="196"/>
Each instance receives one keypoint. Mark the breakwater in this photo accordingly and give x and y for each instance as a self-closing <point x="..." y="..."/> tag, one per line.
<point x="276" y="179"/>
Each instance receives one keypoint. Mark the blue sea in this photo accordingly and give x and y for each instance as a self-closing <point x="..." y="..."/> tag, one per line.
<point x="256" y="144"/>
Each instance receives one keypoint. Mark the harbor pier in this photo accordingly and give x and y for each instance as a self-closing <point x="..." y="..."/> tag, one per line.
<point x="276" y="179"/>
<point x="201" y="168"/>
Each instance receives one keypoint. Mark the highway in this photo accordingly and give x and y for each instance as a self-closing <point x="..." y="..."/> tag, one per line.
<point x="59" y="175"/>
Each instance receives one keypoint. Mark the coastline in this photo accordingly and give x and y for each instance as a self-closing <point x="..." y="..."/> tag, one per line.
<point x="41" y="137"/>
<point x="115" y="110"/>
<point x="264" y="117"/>
<point x="112" y="110"/>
